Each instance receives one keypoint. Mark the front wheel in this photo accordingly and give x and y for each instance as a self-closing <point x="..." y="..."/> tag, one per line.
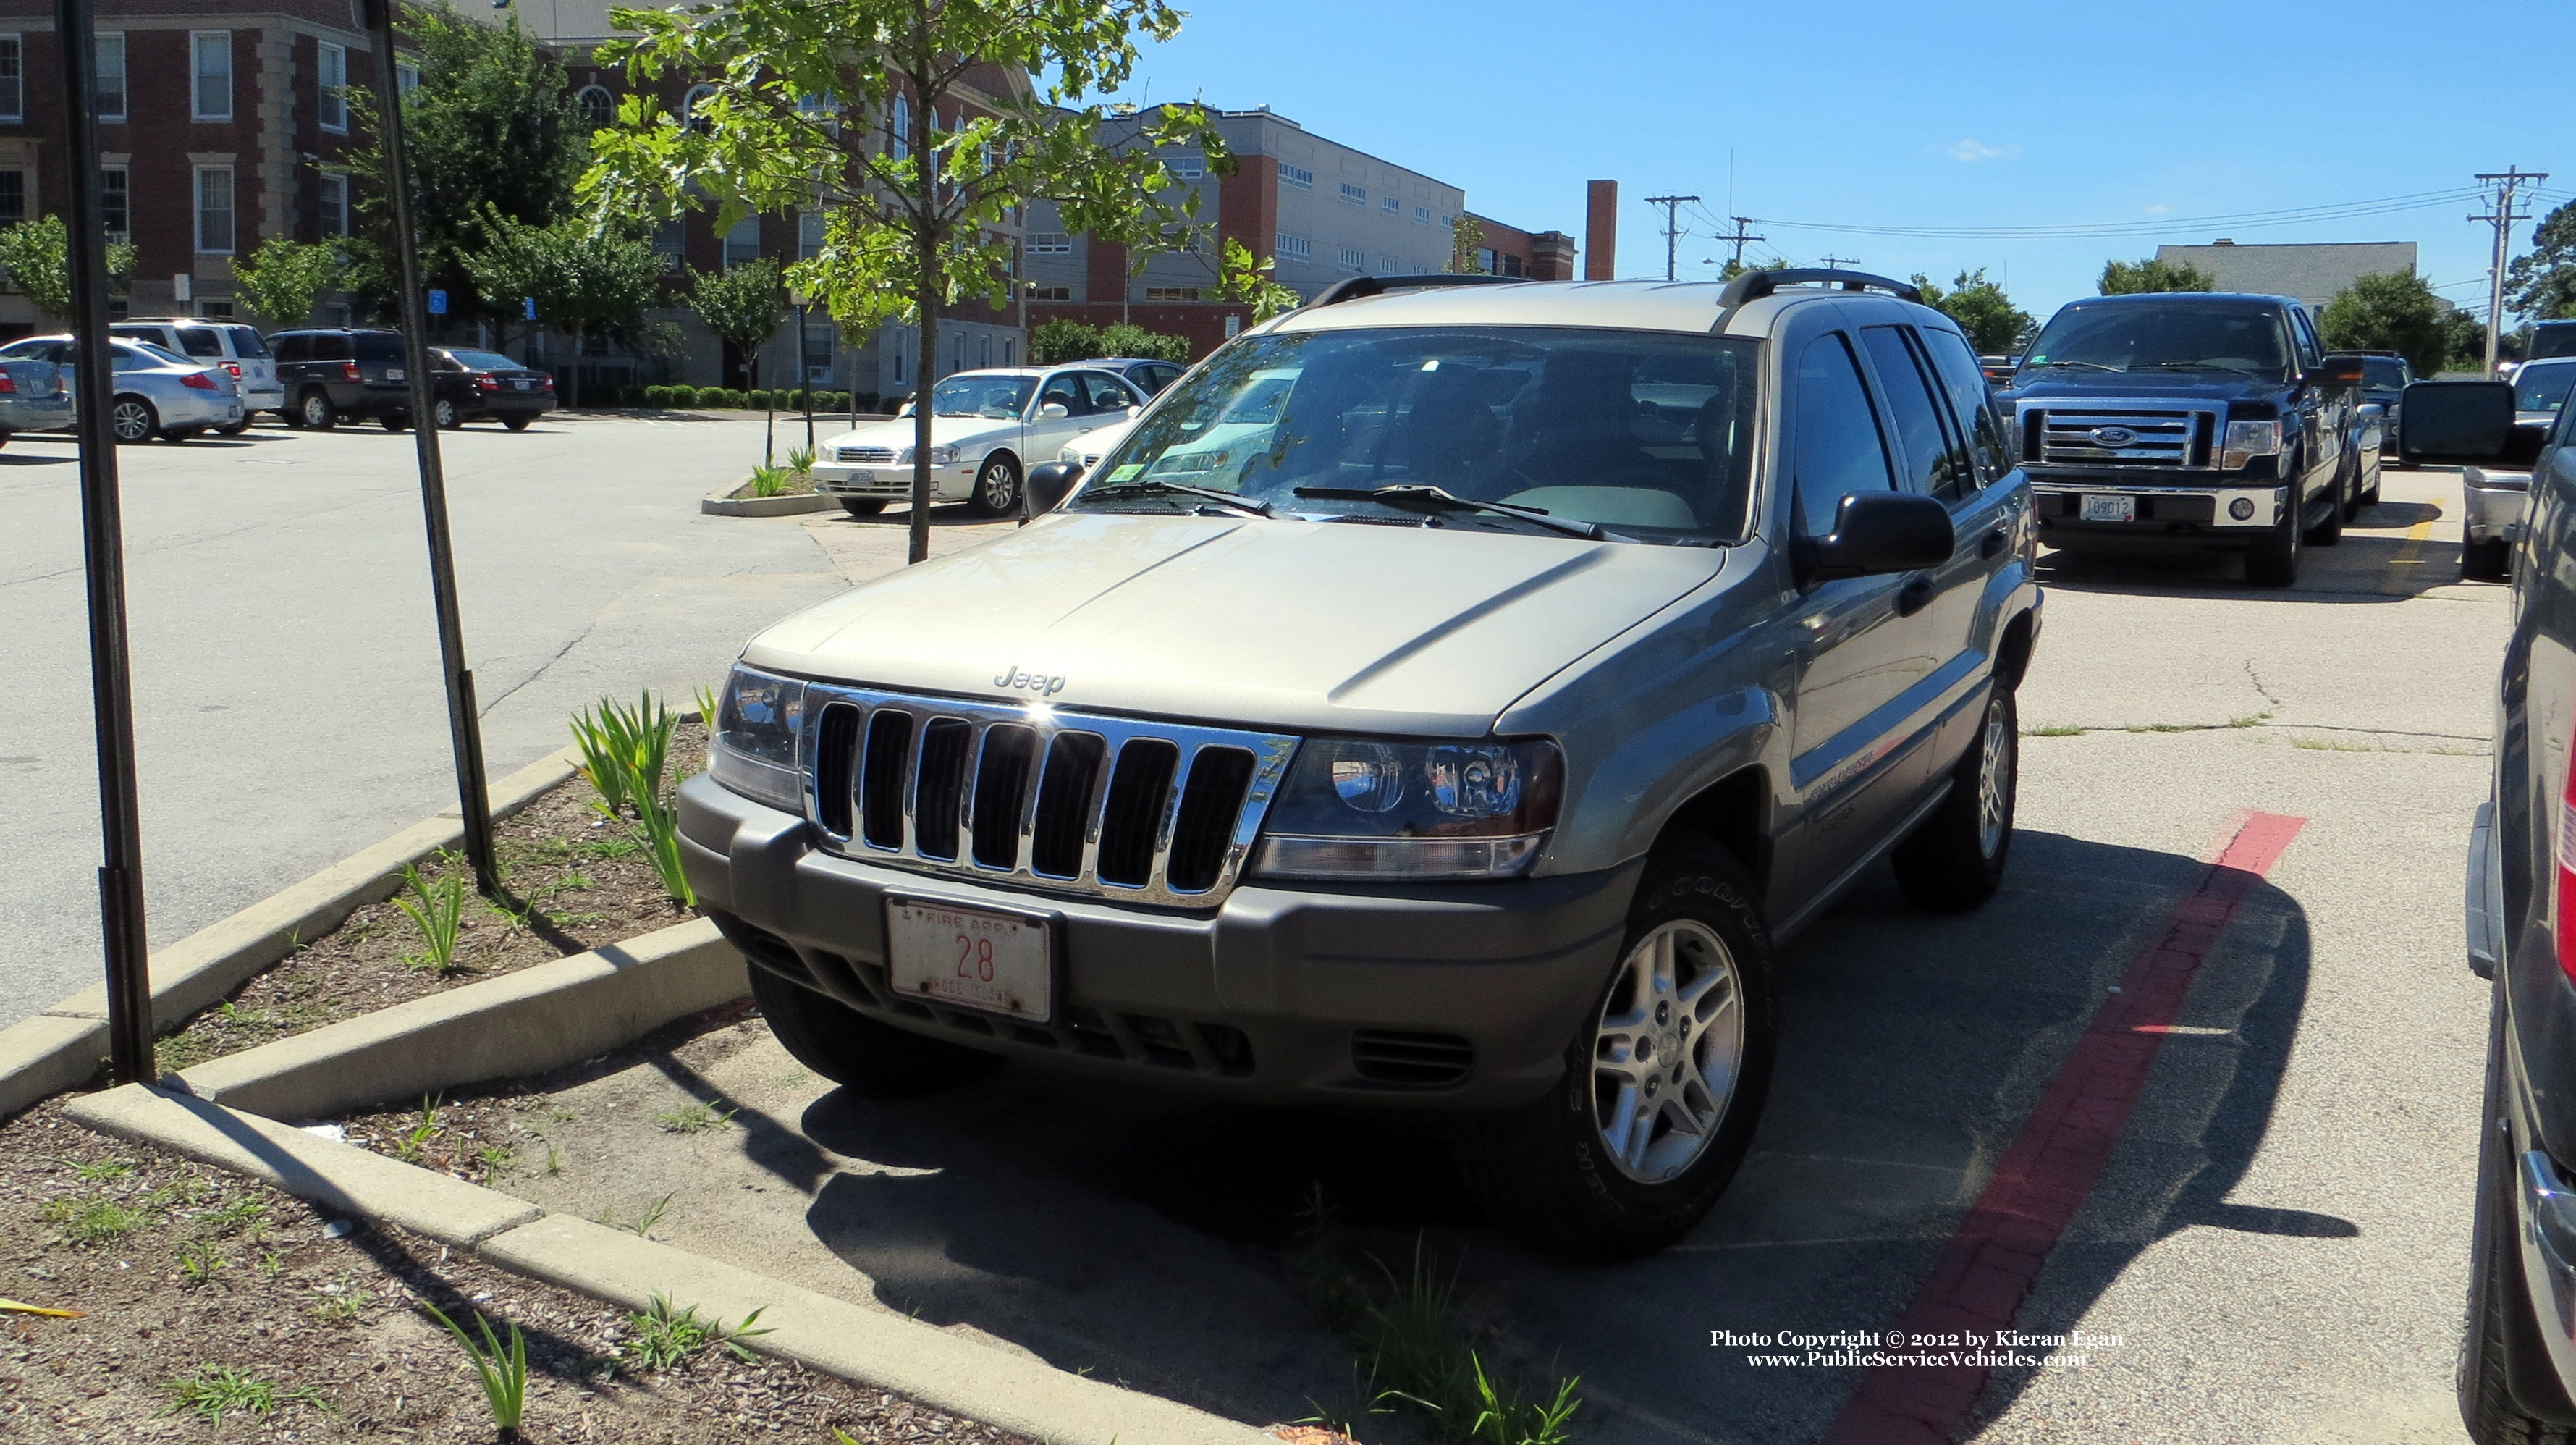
<point x="1664" y="1078"/>
<point x="181" y="433"/>
<point x="997" y="488"/>
<point x="2489" y="561"/>
<point x="2274" y="561"/>
<point x="2330" y="531"/>
<point x="132" y="420"/>
<point x="875" y="1060"/>
<point x="1954" y="860"/>
<point x="235" y="429"/>
<point x="862" y="506"/>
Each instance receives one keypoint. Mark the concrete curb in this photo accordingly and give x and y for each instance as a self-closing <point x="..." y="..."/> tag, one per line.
<point x="521" y="1023"/>
<point x="67" y="1044"/>
<point x="726" y="504"/>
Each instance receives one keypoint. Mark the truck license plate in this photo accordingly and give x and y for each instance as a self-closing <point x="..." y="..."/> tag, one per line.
<point x="998" y="962"/>
<point x="2110" y="509"/>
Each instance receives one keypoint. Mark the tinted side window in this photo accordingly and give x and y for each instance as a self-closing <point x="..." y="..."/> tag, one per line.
<point x="246" y="343"/>
<point x="330" y="346"/>
<point x="1971" y="400"/>
<point x="1838" y="447"/>
<point x="379" y="346"/>
<point x="1925" y="458"/>
<point x="292" y="348"/>
<point x="1106" y="394"/>
<point x="199" y="341"/>
<point x="2309" y="352"/>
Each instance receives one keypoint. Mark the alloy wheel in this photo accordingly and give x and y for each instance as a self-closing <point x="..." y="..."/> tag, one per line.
<point x="1994" y="782"/>
<point x="131" y="420"/>
<point x="1668" y="1050"/>
<point x="996" y="487"/>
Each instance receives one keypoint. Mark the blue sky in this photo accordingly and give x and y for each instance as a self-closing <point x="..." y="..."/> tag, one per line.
<point x="1934" y="115"/>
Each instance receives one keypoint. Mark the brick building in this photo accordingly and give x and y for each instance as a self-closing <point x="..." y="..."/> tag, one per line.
<point x="1511" y="251"/>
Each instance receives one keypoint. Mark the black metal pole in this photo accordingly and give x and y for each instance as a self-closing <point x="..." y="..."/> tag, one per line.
<point x="464" y="725"/>
<point x="111" y="678"/>
<point x="805" y="386"/>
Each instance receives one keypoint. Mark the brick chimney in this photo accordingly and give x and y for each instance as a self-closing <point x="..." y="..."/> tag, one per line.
<point x="1601" y="230"/>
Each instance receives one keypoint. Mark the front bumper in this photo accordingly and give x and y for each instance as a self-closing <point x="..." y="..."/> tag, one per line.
<point x="1449" y="996"/>
<point x="891" y="482"/>
<point x="2161" y="515"/>
<point x="2495" y="504"/>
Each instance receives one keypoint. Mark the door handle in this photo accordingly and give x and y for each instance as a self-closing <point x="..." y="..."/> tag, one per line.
<point x="1914" y="596"/>
<point x="1994" y="541"/>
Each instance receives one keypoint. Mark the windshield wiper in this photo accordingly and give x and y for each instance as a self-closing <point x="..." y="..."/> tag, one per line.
<point x="1404" y="494"/>
<point x="2097" y="366"/>
<point x="1156" y="487"/>
<point x="2209" y="366"/>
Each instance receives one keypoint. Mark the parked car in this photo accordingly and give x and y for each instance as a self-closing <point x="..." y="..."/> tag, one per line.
<point x="157" y="393"/>
<point x="1468" y="742"/>
<point x="1998" y="369"/>
<point x="988" y="428"/>
<point x="2517" y="1374"/>
<point x="1148" y="375"/>
<point x="336" y="373"/>
<point x="2191" y="421"/>
<point x="236" y="348"/>
<point x="467" y="384"/>
<point x="32" y="397"/>
<point x="2551" y="338"/>
<point x="2384" y="379"/>
<point x="2497" y="496"/>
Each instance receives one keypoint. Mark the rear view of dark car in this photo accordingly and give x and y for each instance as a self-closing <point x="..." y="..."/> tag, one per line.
<point x="471" y="385"/>
<point x="336" y="373"/>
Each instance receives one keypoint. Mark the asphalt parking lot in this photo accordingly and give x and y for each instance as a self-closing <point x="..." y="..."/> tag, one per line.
<point x="2269" y="1244"/>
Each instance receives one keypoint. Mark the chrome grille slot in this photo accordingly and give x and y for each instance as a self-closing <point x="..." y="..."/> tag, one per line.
<point x="2119" y="435"/>
<point x="865" y="456"/>
<point x="1128" y="808"/>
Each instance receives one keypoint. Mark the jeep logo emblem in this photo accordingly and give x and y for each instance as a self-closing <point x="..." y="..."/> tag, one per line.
<point x="1017" y="677"/>
<point x="2113" y="436"/>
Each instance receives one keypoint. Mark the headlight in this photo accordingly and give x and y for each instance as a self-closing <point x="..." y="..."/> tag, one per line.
<point x="1371" y="808"/>
<point x="940" y="455"/>
<point x="2247" y="440"/>
<point x="751" y="745"/>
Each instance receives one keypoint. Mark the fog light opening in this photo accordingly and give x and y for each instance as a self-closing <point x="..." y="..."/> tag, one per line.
<point x="2242" y="509"/>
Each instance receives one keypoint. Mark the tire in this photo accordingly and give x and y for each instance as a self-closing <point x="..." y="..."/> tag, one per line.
<point x="395" y="421"/>
<point x="872" y="1059"/>
<point x="862" y="507"/>
<point x="2504" y="1367"/>
<point x="4" y="438"/>
<point x="516" y="423"/>
<point x="997" y="487"/>
<point x="2330" y="531"/>
<point x="131" y="420"/>
<point x="2489" y="561"/>
<point x="181" y="433"/>
<point x="1954" y="860"/>
<point x="1558" y="1175"/>
<point x="317" y="411"/>
<point x="2274" y="561"/>
<point x="237" y="428"/>
<point x="443" y="412"/>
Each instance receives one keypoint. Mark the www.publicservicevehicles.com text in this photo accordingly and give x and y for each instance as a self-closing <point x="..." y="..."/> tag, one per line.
<point x="1871" y="1349"/>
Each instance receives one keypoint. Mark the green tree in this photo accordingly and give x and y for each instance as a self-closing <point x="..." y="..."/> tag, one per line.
<point x="36" y="254"/>
<point x="491" y="127"/>
<point x="283" y="278"/>
<point x="1243" y="281"/>
<point x="745" y="304"/>
<point x="2541" y="283"/>
<point x="2130" y="278"/>
<point x="1994" y="326"/>
<point x="1735" y="268"/>
<point x="1063" y="339"/>
<point x="869" y="111"/>
<point x="586" y="279"/>
<point x="1466" y="238"/>
<point x="2394" y="311"/>
<point x="1135" y="341"/>
<point x="2464" y="341"/>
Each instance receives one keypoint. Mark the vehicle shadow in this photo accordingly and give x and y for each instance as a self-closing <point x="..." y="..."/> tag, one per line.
<point x="899" y="516"/>
<point x="1157" y="1238"/>
<point x="2374" y="562"/>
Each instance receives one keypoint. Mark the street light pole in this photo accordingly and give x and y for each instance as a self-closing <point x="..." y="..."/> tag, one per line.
<point x="464" y="722"/>
<point x="111" y="677"/>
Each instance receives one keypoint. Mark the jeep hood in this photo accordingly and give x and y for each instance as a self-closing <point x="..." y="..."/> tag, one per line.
<point x="1287" y="624"/>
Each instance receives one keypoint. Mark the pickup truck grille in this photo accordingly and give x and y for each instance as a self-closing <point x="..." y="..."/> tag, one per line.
<point x="1109" y="807"/>
<point x="864" y="456"/>
<point x="2118" y="435"/>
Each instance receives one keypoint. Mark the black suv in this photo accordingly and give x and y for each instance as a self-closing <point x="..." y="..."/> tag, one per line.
<point x="332" y="373"/>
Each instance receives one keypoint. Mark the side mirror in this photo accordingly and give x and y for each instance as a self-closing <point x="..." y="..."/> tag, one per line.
<point x="1054" y="411"/>
<point x="1051" y="483"/>
<point x="2455" y="423"/>
<point x="2337" y="369"/>
<point x="1881" y="532"/>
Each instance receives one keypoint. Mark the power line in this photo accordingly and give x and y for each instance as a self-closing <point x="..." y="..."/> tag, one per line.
<point x="1738" y="237"/>
<point x="2506" y="183"/>
<point x="2344" y="210"/>
<point x="1838" y="262"/>
<point x="1672" y="227"/>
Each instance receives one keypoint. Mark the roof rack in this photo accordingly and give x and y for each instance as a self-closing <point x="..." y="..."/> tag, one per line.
<point x="1754" y="285"/>
<point x="1355" y="287"/>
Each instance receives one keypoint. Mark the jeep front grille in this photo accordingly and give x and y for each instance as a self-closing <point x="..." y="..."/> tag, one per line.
<point x="1111" y="807"/>
<point x="2120" y="434"/>
<point x="864" y="456"/>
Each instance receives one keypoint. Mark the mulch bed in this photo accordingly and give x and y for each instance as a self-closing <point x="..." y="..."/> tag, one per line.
<point x="577" y="880"/>
<point x="183" y="1271"/>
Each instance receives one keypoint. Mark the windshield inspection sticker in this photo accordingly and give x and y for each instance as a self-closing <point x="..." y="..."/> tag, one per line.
<point x="1129" y="470"/>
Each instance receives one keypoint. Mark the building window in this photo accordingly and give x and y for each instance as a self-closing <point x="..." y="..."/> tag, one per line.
<point x="330" y="76"/>
<point x="1354" y="195"/>
<point x="689" y="108"/>
<point x="1050" y="243"/>
<point x="215" y="210"/>
<point x="1354" y="259"/>
<point x="1389" y="266"/>
<point x="597" y="107"/>
<point x="1050" y="293"/>
<point x="13" y="78"/>
<point x="1512" y="266"/>
<point x="406" y="78"/>
<point x="1485" y="261"/>
<point x="1295" y="248"/>
<point x="899" y="139"/>
<point x="742" y="243"/>
<point x="1186" y="166"/>
<point x="1297" y="177"/>
<point x="670" y="246"/>
<point x="211" y="95"/>
<point x="1390" y="205"/>
<point x="1171" y="293"/>
<point x="809" y="234"/>
<point x="116" y="202"/>
<point x="331" y="190"/>
<point x="13" y="197"/>
<point x="111" y="77"/>
<point x="1422" y="215"/>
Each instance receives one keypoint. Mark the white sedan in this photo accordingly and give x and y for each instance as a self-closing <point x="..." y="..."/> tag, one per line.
<point x="986" y="429"/>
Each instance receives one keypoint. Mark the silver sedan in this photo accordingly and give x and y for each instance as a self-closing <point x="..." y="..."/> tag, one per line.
<point x="158" y="393"/>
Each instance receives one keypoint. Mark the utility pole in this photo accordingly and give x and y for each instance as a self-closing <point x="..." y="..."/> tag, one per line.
<point x="2505" y="183"/>
<point x="1672" y="229"/>
<point x="1737" y="238"/>
<point x="1838" y="262"/>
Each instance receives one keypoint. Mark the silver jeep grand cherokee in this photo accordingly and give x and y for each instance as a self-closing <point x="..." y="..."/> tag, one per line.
<point x="1447" y="696"/>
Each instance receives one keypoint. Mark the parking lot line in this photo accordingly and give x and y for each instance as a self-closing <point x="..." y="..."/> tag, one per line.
<point x="1993" y="1260"/>
<point x="2410" y="554"/>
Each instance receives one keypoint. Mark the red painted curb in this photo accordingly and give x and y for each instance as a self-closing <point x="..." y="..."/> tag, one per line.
<point x="1993" y="1260"/>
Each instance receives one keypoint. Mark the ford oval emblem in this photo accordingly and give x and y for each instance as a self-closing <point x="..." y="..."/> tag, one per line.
<point x="2113" y="436"/>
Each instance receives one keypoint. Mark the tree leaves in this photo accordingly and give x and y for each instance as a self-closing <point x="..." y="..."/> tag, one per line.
<point x="2131" y="278"/>
<point x="2387" y="312"/>
<point x="2541" y="283"/>
<point x="36" y="254"/>
<point x="283" y="278"/>
<point x="1993" y="325"/>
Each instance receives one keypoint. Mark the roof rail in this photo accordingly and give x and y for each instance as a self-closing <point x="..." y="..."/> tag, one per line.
<point x="1754" y="285"/>
<point x="1355" y="287"/>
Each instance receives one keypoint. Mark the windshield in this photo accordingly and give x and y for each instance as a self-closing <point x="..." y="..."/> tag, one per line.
<point x="2542" y="388"/>
<point x="1646" y="433"/>
<point x="998" y="397"/>
<point x="2181" y="335"/>
<point x="483" y="360"/>
<point x="2381" y="373"/>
